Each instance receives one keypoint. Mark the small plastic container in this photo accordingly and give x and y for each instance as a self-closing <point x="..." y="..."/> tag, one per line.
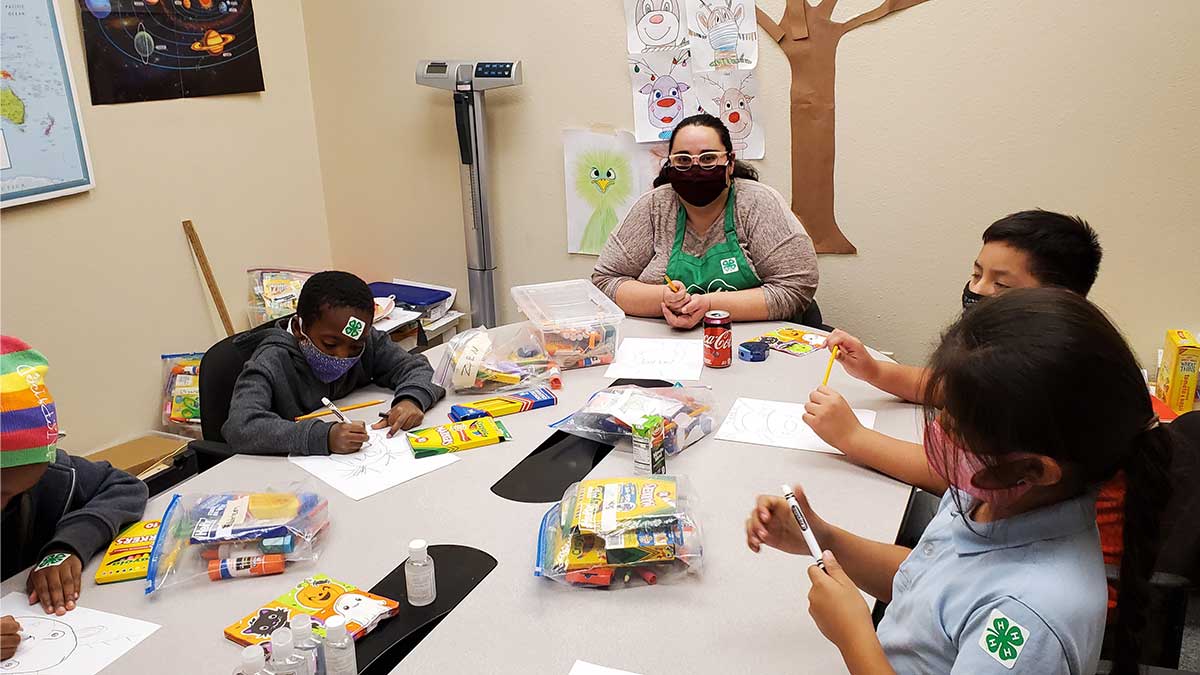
<point x="578" y="324"/>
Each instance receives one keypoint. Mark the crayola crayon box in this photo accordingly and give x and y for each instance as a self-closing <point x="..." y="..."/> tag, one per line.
<point x="128" y="557"/>
<point x="1176" y="384"/>
<point x="457" y="436"/>
<point x="608" y="505"/>
<point x="506" y="404"/>
<point x="320" y="597"/>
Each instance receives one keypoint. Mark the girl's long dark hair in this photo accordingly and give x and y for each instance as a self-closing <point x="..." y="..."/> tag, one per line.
<point x="740" y="169"/>
<point x="1044" y="371"/>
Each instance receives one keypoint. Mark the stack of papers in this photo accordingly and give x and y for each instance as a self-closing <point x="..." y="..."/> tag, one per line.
<point x="778" y="424"/>
<point x="658" y="359"/>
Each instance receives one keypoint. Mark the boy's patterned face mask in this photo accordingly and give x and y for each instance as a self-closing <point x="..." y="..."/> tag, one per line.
<point x="327" y="368"/>
<point x="970" y="297"/>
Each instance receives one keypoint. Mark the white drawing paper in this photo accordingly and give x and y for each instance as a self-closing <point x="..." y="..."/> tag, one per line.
<point x="658" y="359"/>
<point x="81" y="642"/>
<point x="605" y="174"/>
<point x="723" y="34"/>
<point x="778" y="424"/>
<point x="585" y="668"/>
<point x="654" y="25"/>
<point x="730" y="95"/>
<point x="381" y="464"/>
<point x="662" y="84"/>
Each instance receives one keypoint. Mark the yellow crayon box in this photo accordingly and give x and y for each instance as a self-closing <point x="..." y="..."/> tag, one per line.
<point x="608" y="505"/>
<point x="128" y="557"/>
<point x="457" y="436"/>
<point x="1176" y="384"/>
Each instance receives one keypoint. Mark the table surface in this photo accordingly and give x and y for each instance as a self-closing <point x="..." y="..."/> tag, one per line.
<point x="752" y="608"/>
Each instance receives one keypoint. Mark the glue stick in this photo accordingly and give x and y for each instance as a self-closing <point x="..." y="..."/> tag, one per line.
<point x="246" y="566"/>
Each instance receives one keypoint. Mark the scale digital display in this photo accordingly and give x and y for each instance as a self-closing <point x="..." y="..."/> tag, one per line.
<point x="436" y="69"/>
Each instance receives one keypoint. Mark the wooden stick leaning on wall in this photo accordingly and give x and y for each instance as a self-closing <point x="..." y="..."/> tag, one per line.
<point x="209" y="279"/>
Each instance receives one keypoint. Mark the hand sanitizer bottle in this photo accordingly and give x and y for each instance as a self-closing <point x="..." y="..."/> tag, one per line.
<point x="418" y="574"/>
<point x="308" y="644"/>
<point x="254" y="662"/>
<point x="284" y="659"/>
<point x="340" y="658"/>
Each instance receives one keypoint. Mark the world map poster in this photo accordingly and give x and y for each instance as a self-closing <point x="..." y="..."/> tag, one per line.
<point x="43" y="150"/>
<point x="151" y="50"/>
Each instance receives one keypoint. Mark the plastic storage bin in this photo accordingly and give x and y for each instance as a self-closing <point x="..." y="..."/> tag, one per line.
<point x="428" y="301"/>
<point x="578" y="324"/>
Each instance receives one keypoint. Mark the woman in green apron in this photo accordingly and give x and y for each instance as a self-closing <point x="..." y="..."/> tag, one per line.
<point x="722" y="239"/>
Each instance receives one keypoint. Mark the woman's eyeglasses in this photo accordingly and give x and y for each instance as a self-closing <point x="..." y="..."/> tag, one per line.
<point x="681" y="161"/>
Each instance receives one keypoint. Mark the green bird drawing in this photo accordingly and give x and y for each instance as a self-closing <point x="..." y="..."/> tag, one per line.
<point x="604" y="181"/>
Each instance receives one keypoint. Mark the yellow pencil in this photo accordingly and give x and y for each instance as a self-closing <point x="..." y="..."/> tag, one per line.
<point x="322" y="413"/>
<point x="829" y="368"/>
<point x="670" y="284"/>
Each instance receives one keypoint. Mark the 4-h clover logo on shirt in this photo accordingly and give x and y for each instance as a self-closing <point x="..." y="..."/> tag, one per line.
<point x="354" y="328"/>
<point x="1003" y="638"/>
<point x="729" y="265"/>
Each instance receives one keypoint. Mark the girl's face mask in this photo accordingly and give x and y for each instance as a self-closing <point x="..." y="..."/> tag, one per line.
<point x="967" y="466"/>
<point x="327" y="368"/>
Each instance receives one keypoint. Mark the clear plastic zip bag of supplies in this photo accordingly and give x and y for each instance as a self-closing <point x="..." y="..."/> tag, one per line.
<point x="687" y="413"/>
<point x="226" y="535"/>
<point x="615" y="532"/>
<point x="483" y="361"/>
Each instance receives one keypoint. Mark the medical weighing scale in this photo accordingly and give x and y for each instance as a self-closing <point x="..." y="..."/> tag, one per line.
<point x="469" y="80"/>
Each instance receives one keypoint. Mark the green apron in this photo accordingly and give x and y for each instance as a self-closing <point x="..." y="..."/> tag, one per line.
<point x="723" y="267"/>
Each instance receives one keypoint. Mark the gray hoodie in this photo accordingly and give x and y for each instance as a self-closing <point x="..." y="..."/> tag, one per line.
<point x="277" y="385"/>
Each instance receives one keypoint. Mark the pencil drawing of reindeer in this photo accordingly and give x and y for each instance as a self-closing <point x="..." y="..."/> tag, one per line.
<point x="721" y="22"/>
<point x="733" y="107"/>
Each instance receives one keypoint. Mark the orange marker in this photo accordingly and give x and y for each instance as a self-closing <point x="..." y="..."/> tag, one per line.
<point x="670" y="284"/>
<point x="247" y="566"/>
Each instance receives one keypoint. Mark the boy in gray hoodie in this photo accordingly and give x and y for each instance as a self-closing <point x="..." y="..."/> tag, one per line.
<point x="328" y="349"/>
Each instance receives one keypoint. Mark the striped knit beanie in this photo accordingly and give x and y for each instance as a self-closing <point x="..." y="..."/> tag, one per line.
<point x="28" y="422"/>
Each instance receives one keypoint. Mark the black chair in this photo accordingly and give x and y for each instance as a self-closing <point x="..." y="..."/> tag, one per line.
<point x="219" y="370"/>
<point x="812" y="318"/>
<point x="183" y="466"/>
<point x="921" y="508"/>
<point x="1177" y="569"/>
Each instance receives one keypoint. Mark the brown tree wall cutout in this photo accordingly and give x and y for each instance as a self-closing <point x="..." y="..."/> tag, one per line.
<point x="809" y="38"/>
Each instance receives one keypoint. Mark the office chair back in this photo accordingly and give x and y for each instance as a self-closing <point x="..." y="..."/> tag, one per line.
<point x="219" y="370"/>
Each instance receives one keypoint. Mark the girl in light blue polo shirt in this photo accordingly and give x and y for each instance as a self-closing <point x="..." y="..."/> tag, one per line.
<point x="1044" y="401"/>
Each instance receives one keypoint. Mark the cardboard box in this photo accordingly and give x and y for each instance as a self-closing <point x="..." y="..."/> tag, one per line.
<point x="138" y="454"/>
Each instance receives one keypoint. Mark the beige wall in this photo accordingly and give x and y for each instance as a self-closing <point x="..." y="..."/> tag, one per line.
<point x="104" y="283"/>
<point x="950" y="115"/>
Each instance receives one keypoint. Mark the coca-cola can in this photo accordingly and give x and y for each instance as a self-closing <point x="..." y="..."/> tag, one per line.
<point x="718" y="339"/>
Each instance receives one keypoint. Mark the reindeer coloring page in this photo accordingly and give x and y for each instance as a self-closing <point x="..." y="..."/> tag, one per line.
<point x="654" y="25"/>
<point x="778" y="424"/>
<point x="730" y="95"/>
<point x="381" y="464"/>
<point x="662" y="84"/>
<point x="722" y="34"/>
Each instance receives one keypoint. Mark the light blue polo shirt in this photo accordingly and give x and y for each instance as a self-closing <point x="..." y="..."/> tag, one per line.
<point x="1021" y="595"/>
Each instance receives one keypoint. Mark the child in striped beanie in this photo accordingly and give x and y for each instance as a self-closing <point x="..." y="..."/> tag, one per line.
<point x="58" y="510"/>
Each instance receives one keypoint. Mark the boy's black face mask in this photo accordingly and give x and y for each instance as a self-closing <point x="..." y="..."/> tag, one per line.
<point x="970" y="297"/>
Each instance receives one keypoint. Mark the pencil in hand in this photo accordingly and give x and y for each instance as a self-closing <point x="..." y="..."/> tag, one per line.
<point x="829" y="368"/>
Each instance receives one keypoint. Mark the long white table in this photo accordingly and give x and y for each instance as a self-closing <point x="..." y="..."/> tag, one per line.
<point x="746" y="612"/>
